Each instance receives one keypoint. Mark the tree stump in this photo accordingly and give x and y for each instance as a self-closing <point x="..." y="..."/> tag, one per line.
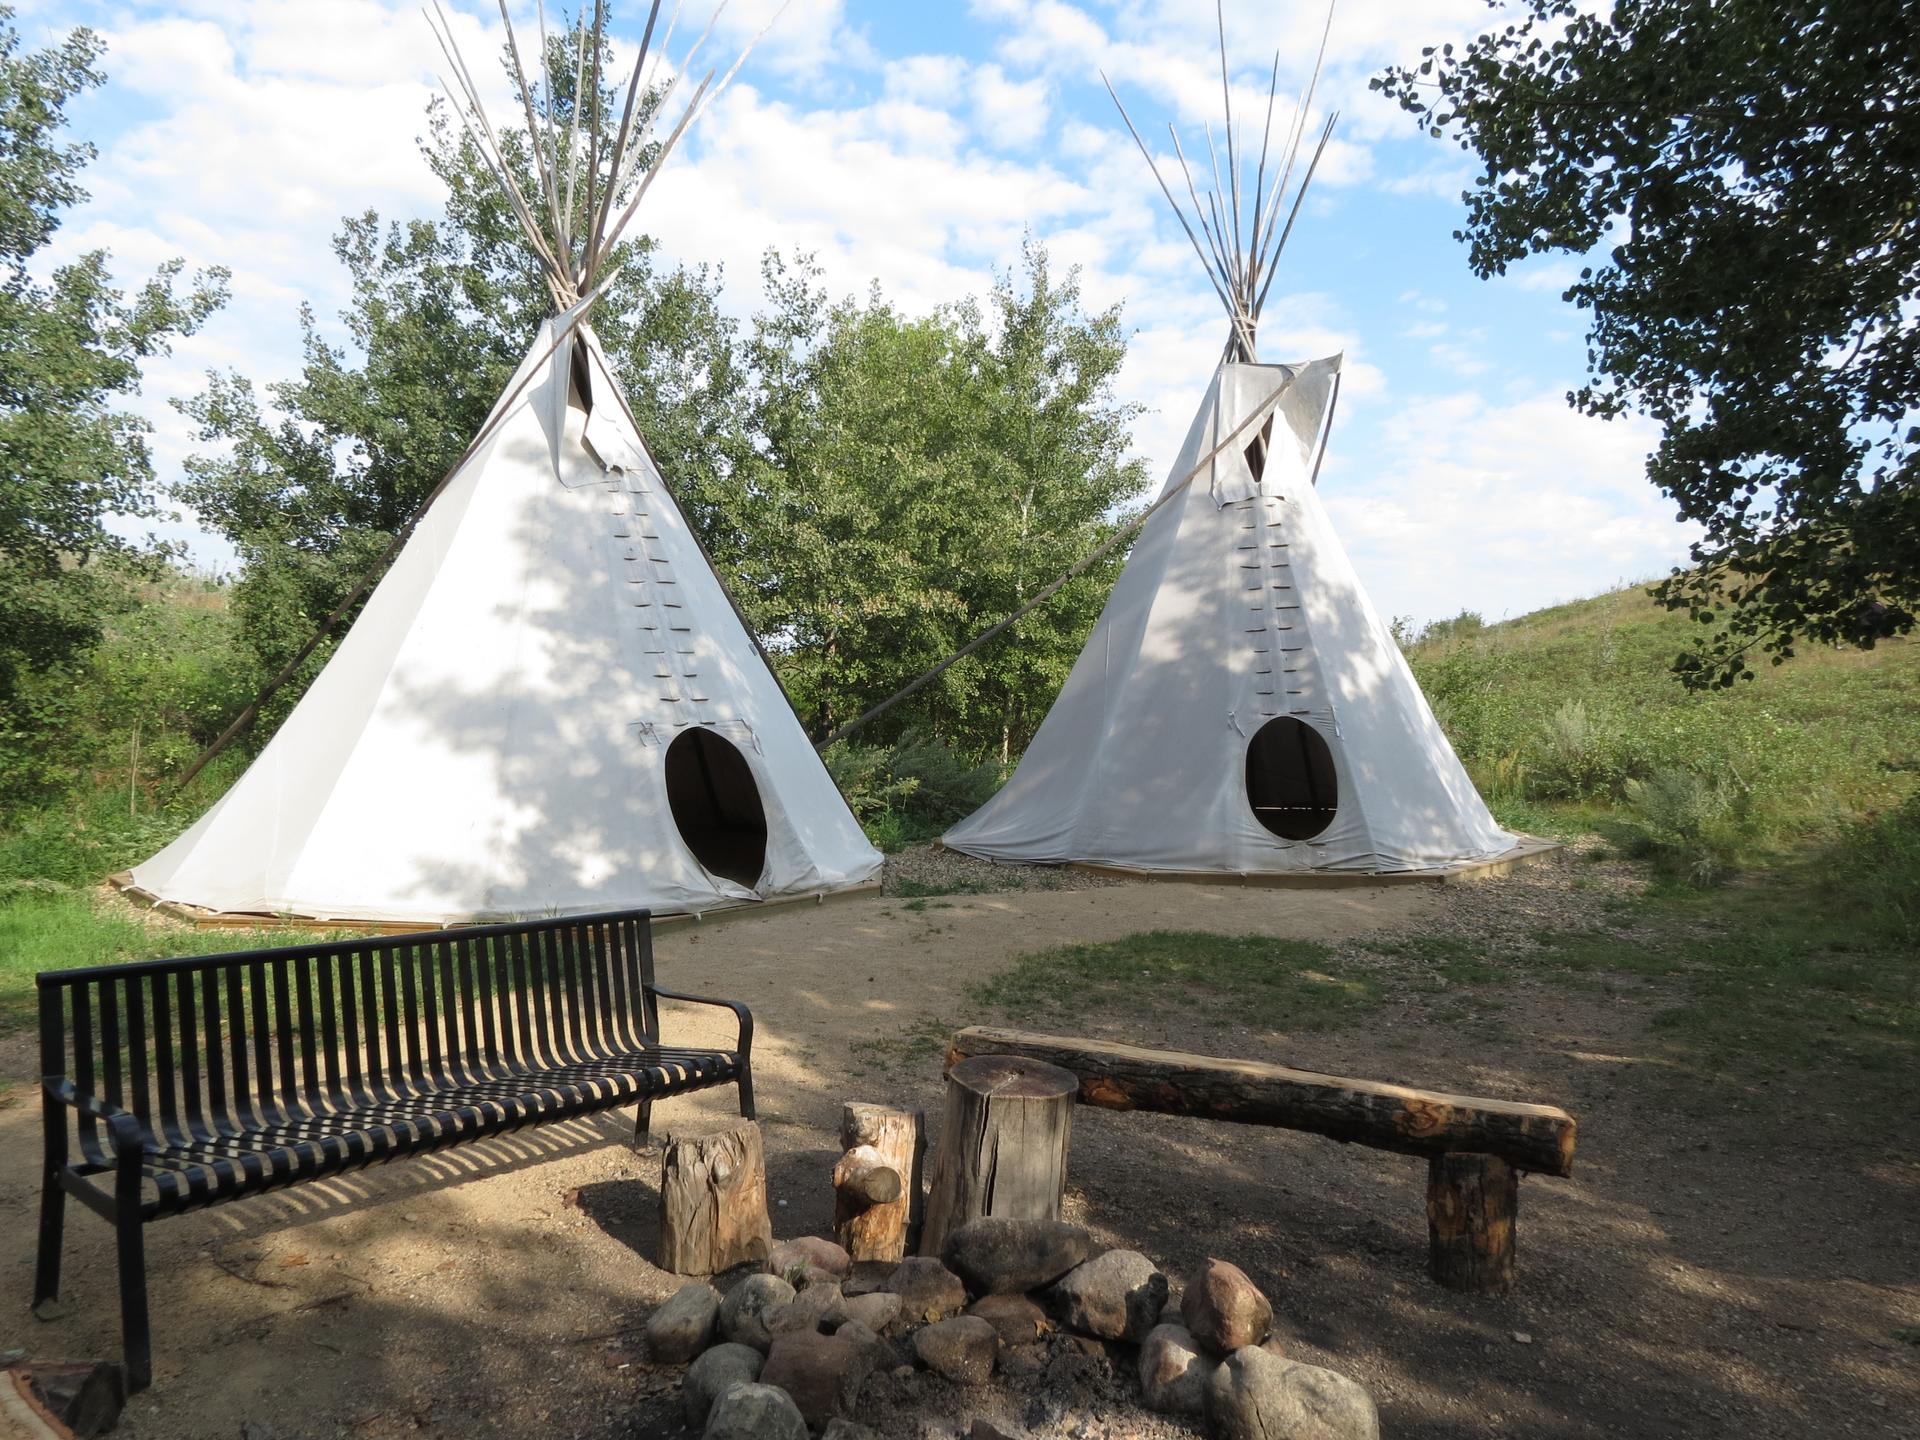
<point x="1472" y="1201"/>
<point x="713" y="1202"/>
<point x="870" y="1224"/>
<point x="1003" y="1144"/>
<point x="60" y="1400"/>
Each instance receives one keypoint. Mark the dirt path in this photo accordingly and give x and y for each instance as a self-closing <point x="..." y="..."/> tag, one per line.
<point x="1718" y="1266"/>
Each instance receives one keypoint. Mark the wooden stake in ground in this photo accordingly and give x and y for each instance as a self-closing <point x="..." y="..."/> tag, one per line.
<point x="877" y="1190"/>
<point x="713" y="1202"/>
<point x="1003" y="1144"/>
<point x="1472" y="1201"/>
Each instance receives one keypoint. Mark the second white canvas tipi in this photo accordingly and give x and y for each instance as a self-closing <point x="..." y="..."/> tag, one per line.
<point x="1240" y="708"/>
<point x="548" y="705"/>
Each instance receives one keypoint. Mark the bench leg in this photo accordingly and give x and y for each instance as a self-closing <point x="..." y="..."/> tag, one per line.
<point x="53" y="1218"/>
<point x="135" y="1336"/>
<point x="746" y="1092"/>
<point x="643" y="1126"/>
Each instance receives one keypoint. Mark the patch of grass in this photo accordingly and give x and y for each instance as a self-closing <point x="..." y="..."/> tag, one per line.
<point x="55" y="928"/>
<point x="1807" y="970"/>
<point x="911" y="1047"/>
<point x="1283" y="984"/>
<point x="1462" y="961"/>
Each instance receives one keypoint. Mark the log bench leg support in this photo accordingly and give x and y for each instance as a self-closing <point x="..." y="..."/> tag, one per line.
<point x="1472" y="1202"/>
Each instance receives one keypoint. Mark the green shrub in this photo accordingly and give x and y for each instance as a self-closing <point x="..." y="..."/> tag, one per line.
<point x="1574" y="757"/>
<point x="911" y="790"/>
<point x="1695" y="823"/>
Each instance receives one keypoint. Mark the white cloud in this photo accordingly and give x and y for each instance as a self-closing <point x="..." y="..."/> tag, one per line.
<point x="1010" y="114"/>
<point x="1455" y="502"/>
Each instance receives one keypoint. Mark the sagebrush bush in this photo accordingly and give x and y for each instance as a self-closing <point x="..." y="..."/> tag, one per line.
<point x="1695" y="823"/>
<point x="1573" y="756"/>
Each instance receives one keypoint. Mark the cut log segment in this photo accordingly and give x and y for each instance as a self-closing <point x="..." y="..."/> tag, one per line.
<point x="60" y="1400"/>
<point x="1537" y="1138"/>
<point x="870" y="1224"/>
<point x="1003" y="1144"/>
<point x="1472" y="1203"/>
<point x="713" y="1202"/>
<point x="864" y="1179"/>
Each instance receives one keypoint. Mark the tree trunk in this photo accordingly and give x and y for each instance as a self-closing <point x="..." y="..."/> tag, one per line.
<point x="869" y="1227"/>
<point x="713" y="1202"/>
<point x="1472" y="1202"/>
<point x="1539" y="1138"/>
<point x="1003" y="1145"/>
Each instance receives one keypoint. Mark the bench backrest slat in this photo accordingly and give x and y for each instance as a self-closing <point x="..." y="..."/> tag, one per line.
<point x="210" y="1043"/>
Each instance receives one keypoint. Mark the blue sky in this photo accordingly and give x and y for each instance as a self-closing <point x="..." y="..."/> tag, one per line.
<point x="913" y="144"/>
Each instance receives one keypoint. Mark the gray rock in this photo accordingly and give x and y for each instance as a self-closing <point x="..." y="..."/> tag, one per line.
<point x="754" y="1412"/>
<point x="998" y="1256"/>
<point x="927" y="1289"/>
<point x="876" y="1311"/>
<point x="1224" y="1309"/>
<point x="1017" y="1319"/>
<point x="683" y="1327"/>
<point x="743" y="1314"/>
<point x="718" y="1370"/>
<point x="875" y="1353"/>
<point x="962" y="1349"/>
<point x="785" y="1319"/>
<point x="1255" y="1395"/>
<point x="844" y="1429"/>
<point x="1115" y="1296"/>
<point x="822" y="1304"/>
<point x="791" y="1258"/>
<point x="823" y="1373"/>
<point x="1173" y="1375"/>
<point x="867" y="1277"/>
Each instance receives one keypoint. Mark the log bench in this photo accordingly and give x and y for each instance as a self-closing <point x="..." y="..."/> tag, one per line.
<point x="1476" y="1148"/>
<point x="185" y="1083"/>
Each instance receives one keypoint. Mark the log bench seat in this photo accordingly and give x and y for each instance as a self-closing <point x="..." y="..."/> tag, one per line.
<point x="185" y="1083"/>
<point x="1476" y="1148"/>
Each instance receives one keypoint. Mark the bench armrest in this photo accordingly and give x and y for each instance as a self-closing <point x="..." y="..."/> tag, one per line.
<point x="740" y="1012"/>
<point x="123" y="1127"/>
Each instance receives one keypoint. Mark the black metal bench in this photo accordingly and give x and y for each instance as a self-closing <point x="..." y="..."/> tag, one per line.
<point x="190" y="1082"/>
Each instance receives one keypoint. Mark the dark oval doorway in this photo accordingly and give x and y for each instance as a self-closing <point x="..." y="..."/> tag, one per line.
<point x="1290" y="779"/>
<point x="717" y="806"/>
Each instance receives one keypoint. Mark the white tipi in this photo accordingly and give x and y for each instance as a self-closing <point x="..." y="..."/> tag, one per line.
<point x="548" y="705"/>
<point x="1240" y="708"/>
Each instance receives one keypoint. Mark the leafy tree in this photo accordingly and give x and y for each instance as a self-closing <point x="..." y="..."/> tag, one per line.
<point x="1744" y="175"/>
<point x="914" y="480"/>
<point x="71" y="345"/>
<point x="312" y="485"/>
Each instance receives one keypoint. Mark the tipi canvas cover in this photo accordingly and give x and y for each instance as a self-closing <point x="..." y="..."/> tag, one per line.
<point x="1240" y="708"/>
<point x="549" y="705"/>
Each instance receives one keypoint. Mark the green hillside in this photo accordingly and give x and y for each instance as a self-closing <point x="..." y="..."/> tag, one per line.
<point x="1569" y="717"/>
